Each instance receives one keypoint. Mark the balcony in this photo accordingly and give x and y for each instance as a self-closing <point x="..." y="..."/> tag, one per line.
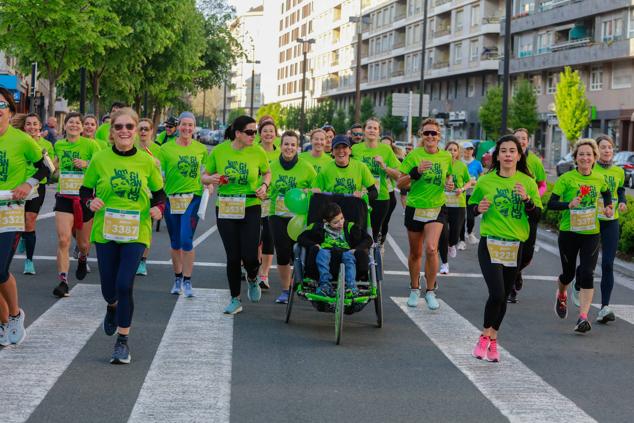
<point x="443" y="31"/>
<point x="582" y="42"/>
<point x="440" y="64"/>
<point x="439" y="3"/>
<point x="552" y="4"/>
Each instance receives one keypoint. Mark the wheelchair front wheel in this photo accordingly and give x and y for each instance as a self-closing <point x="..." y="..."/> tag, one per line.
<point x="378" y="304"/>
<point x="291" y="295"/>
<point x="339" y="305"/>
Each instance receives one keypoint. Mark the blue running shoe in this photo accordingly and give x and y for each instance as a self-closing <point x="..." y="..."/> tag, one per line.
<point x="432" y="302"/>
<point x="142" y="269"/>
<point x="4" y="335"/>
<point x="254" y="291"/>
<point x="29" y="268"/>
<point x="110" y="321"/>
<point x="17" y="333"/>
<point x="121" y="354"/>
<point x="283" y="298"/>
<point x="325" y="290"/>
<point x="21" y="246"/>
<point x="414" y="295"/>
<point x="234" y="307"/>
<point x="187" y="288"/>
<point x="177" y="287"/>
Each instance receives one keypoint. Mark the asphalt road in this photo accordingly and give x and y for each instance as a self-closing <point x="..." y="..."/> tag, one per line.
<point x="191" y="363"/>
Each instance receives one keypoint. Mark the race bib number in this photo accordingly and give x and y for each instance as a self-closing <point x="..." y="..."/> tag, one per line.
<point x="280" y="207"/>
<point x="503" y="252"/>
<point x="426" y="215"/>
<point x="231" y="207"/>
<point x="180" y="202"/>
<point x="583" y="219"/>
<point x="70" y="182"/>
<point x="266" y="207"/>
<point x="602" y="216"/>
<point x="121" y="225"/>
<point x="452" y="199"/>
<point x="12" y="218"/>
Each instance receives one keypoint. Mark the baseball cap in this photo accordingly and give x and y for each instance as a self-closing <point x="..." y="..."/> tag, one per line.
<point x="171" y="121"/>
<point x="340" y="139"/>
<point x="467" y="144"/>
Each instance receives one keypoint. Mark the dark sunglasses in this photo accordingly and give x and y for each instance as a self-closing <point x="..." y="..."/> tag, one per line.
<point x="120" y="126"/>
<point x="357" y="134"/>
<point x="144" y="128"/>
<point x="170" y="126"/>
<point x="249" y="132"/>
<point x="4" y="105"/>
<point x="430" y="133"/>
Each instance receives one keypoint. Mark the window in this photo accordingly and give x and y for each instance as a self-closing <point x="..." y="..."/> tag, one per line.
<point x="596" y="78"/>
<point x="612" y="29"/>
<point x="537" y="84"/>
<point x="544" y="42"/>
<point x="631" y="23"/>
<point x="458" y="20"/>
<point x="551" y="83"/>
<point x="621" y="75"/>
<point x="475" y="15"/>
<point x="457" y="53"/>
<point x="525" y="45"/>
<point x="471" y="86"/>
<point x="473" y="50"/>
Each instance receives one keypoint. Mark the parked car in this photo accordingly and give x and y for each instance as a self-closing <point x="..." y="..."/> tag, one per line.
<point x="625" y="159"/>
<point x="204" y="136"/>
<point x="217" y="137"/>
<point x="565" y="164"/>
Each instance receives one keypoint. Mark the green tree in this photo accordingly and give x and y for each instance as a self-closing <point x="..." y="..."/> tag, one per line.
<point x="491" y="113"/>
<point x="571" y="105"/>
<point x="389" y="122"/>
<point x="523" y="108"/>
<point x="271" y="109"/>
<point x="235" y="113"/>
<point x="350" y="121"/>
<point x="291" y="117"/>
<point x="339" y="121"/>
<point x="367" y="109"/>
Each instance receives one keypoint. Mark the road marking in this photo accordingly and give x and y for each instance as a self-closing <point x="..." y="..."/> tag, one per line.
<point x="502" y="383"/>
<point x="52" y="343"/>
<point x="190" y="377"/>
<point x="45" y="215"/>
<point x="205" y="235"/>
<point x="399" y="253"/>
<point x="474" y="275"/>
<point x="622" y="311"/>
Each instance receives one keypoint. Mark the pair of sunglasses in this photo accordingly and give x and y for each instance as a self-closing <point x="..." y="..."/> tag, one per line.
<point x="249" y="132"/>
<point x="120" y="126"/>
<point x="430" y="133"/>
<point x="144" y="128"/>
<point x="4" y="105"/>
<point x="357" y="134"/>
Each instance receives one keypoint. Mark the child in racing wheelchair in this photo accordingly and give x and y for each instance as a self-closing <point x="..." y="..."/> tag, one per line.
<point x="337" y="241"/>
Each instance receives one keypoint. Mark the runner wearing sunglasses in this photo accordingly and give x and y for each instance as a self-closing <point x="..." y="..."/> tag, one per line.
<point x="356" y="133"/>
<point x="170" y="133"/>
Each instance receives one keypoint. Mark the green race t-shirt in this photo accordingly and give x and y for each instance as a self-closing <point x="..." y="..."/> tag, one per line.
<point x="536" y="167"/>
<point x="123" y="183"/>
<point x="567" y="187"/>
<point x="153" y="150"/>
<point x="506" y="218"/>
<point x="614" y="177"/>
<point x="17" y="151"/>
<point x="242" y="167"/>
<point x="316" y="162"/>
<point x="44" y="144"/>
<point x="66" y="152"/>
<point x="181" y="165"/>
<point x="344" y="180"/>
<point x="103" y="132"/>
<point x="460" y="175"/>
<point x="366" y="155"/>
<point x="302" y="175"/>
<point x="162" y="138"/>
<point x="429" y="190"/>
<point x="103" y="144"/>
<point x="273" y="154"/>
<point x="258" y="141"/>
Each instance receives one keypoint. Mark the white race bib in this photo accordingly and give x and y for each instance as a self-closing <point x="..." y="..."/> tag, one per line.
<point x="583" y="219"/>
<point x="280" y="207"/>
<point x="180" y="202"/>
<point x="503" y="252"/>
<point x="121" y="225"/>
<point x="12" y="217"/>
<point x="231" y="207"/>
<point x="70" y="182"/>
<point x="426" y="215"/>
<point x="452" y="199"/>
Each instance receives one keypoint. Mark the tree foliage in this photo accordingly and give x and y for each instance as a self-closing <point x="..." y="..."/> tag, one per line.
<point x="523" y="107"/>
<point x="367" y="109"/>
<point x="235" y="113"/>
<point x="271" y="109"/>
<point x="339" y="121"/>
<point x="390" y="123"/>
<point x="491" y="113"/>
<point x="571" y="105"/>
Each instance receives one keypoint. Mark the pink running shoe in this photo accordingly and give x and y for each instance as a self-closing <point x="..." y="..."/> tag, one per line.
<point x="481" y="347"/>
<point x="492" y="352"/>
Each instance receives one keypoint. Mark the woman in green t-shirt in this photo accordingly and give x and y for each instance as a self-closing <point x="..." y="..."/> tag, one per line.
<point x="287" y="172"/>
<point x="117" y="188"/>
<point x="507" y="197"/>
<point x="577" y="194"/>
<point x="90" y="129"/>
<point x="241" y="172"/>
<point x="317" y="156"/>
<point x="426" y="171"/>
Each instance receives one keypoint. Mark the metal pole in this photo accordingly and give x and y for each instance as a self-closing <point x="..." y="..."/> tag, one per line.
<point x="252" y="88"/>
<point x="145" y="104"/>
<point x="507" y="61"/>
<point x="224" y="106"/>
<point x="33" y="82"/>
<point x="82" y="90"/>
<point x="357" y="80"/>
<point x="301" y="116"/>
<point x="409" y="117"/>
<point x="204" y="102"/>
<point x="422" y="60"/>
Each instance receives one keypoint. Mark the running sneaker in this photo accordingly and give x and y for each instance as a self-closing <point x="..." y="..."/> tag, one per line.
<point x="142" y="269"/>
<point x="234" y="307"/>
<point x="352" y="292"/>
<point x="583" y="326"/>
<point x="283" y="298"/>
<point x="29" y="268"/>
<point x="254" y="293"/>
<point x="414" y="295"/>
<point x="17" y="333"/>
<point x="452" y="252"/>
<point x="480" y="349"/>
<point x="471" y="239"/>
<point x="187" y="288"/>
<point x="430" y="299"/>
<point x="4" y="335"/>
<point x="519" y="281"/>
<point x="177" y="287"/>
<point x="121" y="354"/>
<point x="61" y="290"/>
<point x="606" y="315"/>
<point x="82" y="268"/>
<point x="21" y="246"/>
<point x="264" y="282"/>
<point x="561" y="306"/>
<point x="325" y="290"/>
<point x="110" y="321"/>
<point x="575" y="296"/>
<point x="462" y="246"/>
<point x="492" y="352"/>
<point x="444" y="268"/>
<point x="512" y="299"/>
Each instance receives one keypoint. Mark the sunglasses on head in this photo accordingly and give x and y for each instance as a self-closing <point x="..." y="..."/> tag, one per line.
<point x="249" y="132"/>
<point x="357" y="134"/>
<point x="144" y="128"/>
<point x="120" y="126"/>
<point x="430" y="133"/>
<point x="4" y="105"/>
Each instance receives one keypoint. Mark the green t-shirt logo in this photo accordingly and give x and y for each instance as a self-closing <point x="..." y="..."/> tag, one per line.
<point x="284" y="183"/>
<point x="188" y="166"/>
<point x="67" y="159"/>
<point x="372" y="165"/>
<point x="508" y="203"/>
<point x="344" y="186"/>
<point x="433" y="175"/>
<point x="126" y="184"/>
<point x="4" y="166"/>
<point x="237" y="172"/>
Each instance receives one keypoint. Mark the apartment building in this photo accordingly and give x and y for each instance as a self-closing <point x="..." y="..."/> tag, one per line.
<point x="594" y="37"/>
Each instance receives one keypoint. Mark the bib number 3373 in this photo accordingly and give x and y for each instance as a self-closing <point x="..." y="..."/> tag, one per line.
<point x="503" y="252"/>
<point x="121" y="225"/>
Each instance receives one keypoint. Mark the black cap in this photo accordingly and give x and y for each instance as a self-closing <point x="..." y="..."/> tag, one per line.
<point x="340" y="139"/>
<point x="171" y="121"/>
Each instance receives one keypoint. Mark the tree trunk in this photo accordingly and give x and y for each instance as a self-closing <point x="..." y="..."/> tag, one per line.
<point x="95" y="81"/>
<point x="52" y="93"/>
<point x="137" y="104"/>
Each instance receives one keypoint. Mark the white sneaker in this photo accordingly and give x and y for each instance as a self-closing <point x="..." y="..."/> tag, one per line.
<point x="444" y="268"/>
<point x="452" y="252"/>
<point x="4" y="335"/>
<point x="462" y="246"/>
<point x="471" y="239"/>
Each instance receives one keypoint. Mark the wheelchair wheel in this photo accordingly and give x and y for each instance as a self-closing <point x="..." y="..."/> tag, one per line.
<point x="289" y="304"/>
<point x="339" y="305"/>
<point x="378" y="304"/>
<point x="378" y="260"/>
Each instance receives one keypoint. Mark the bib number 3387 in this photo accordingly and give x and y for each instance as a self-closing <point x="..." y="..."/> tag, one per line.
<point x="121" y="225"/>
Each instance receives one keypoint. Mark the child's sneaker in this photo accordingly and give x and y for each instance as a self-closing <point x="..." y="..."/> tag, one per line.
<point x="325" y="290"/>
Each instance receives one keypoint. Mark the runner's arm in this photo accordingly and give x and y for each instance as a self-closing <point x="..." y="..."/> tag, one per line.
<point x="42" y="170"/>
<point x="607" y="198"/>
<point x="158" y="200"/>
<point x="620" y="192"/>
<point x="542" y="186"/>
<point x="372" y="192"/>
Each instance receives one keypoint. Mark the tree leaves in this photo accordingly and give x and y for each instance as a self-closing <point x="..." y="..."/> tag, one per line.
<point x="571" y="105"/>
<point x="491" y="113"/>
<point x="523" y="108"/>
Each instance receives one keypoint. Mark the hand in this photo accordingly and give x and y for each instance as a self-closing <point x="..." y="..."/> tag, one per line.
<point x="96" y="204"/>
<point x="519" y="190"/>
<point x="424" y="165"/>
<point x="358" y="194"/>
<point x="261" y="192"/>
<point x="449" y="185"/>
<point x="155" y="213"/>
<point x="80" y="164"/>
<point x="608" y="211"/>
<point x="484" y="205"/>
<point x="211" y="179"/>
<point x="315" y="190"/>
<point x="21" y="191"/>
<point x="404" y="182"/>
<point x="622" y="208"/>
<point x="379" y="161"/>
<point x="575" y="202"/>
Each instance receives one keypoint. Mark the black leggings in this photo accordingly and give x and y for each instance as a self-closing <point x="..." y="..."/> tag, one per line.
<point x="470" y="220"/>
<point x="451" y="230"/>
<point x="283" y="242"/>
<point x="609" y="244"/>
<point x="266" y="238"/>
<point x="378" y="215"/>
<point x="386" y="221"/>
<point x="529" y="246"/>
<point x="239" y="237"/>
<point x="499" y="279"/>
<point x="571" y="245"/>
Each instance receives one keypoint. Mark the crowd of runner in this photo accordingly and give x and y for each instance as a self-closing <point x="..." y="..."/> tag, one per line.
<point x="114" y="180"/>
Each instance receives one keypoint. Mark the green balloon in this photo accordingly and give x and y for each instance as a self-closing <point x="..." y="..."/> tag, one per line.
<point x="296" y="201"/>
<point x="296" y="226"/>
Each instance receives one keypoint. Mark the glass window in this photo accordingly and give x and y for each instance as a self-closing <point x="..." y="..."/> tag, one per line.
<point x="458" y="20"/>
<point x="473" y="50"/>
<point x="537" y="84"/>
<point x="596" y="78"/>
<point x="475" y="15"/>
<point x="621" y="75"/>
<point x="457" y="53"/>
<point x="471" y="86"/>
<point x="551" y="83"/>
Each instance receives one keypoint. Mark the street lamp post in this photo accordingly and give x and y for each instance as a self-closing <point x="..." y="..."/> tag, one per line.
<point x="305" y="45"/>
<point x="357" y="78"/>
<point x="254" y="62"/>
<point x="507" y="60"/>
<point x="422" y="62"/>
